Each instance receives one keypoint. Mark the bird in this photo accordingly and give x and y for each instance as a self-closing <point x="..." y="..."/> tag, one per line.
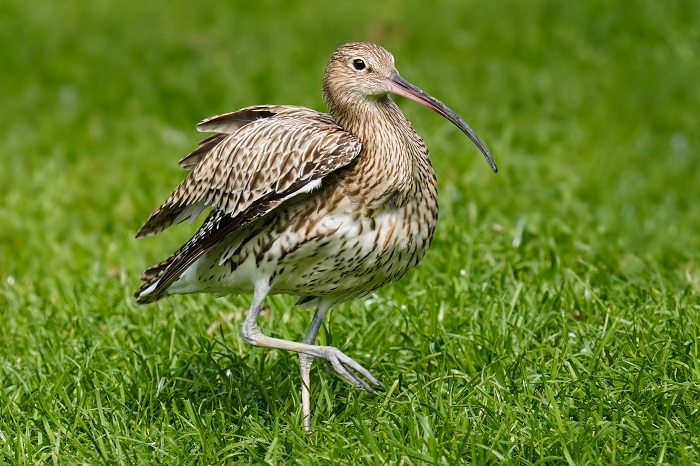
<point x="321" y="206"/>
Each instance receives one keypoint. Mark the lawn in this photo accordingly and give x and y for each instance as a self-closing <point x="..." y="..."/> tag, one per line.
<point x="556" y="318"/>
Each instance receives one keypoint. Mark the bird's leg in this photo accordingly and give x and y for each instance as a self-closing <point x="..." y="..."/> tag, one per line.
<point x="305" y="361"/>
<point x="343" y="365"/>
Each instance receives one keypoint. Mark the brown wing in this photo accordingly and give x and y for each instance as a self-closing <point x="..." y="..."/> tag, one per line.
<point x="229" y="123"/>
<point x="245" y="174"/>
<point x="257" y="153"/>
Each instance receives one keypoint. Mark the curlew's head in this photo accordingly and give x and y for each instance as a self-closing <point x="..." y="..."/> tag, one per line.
<point x="362" y="72"/>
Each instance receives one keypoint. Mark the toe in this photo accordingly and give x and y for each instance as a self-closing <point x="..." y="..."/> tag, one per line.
<point x="349" y="369"/>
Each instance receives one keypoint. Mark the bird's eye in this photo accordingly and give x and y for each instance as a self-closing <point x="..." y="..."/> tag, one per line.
<point x="358" y="64"/>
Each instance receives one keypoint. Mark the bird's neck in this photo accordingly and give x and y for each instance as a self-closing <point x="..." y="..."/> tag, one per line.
<point x="369" y="119"/>
<point x="394" y="160"/>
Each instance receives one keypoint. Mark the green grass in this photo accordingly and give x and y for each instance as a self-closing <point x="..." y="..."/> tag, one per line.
<point x="556" y="318"/>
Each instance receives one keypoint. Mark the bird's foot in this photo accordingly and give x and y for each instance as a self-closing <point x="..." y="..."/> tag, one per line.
<point x="348" y="368"/>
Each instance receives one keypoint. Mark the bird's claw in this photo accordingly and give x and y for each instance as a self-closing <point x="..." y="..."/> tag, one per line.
<point x="348" y="368"/>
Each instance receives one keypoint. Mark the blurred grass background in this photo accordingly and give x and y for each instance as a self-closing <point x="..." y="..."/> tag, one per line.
<point x="556" y="317"/>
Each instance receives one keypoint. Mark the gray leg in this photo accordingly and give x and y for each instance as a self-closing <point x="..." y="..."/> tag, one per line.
<point x="305" y="361"/>
<point x="343" y="365"/>
<point x="250" y="326"/>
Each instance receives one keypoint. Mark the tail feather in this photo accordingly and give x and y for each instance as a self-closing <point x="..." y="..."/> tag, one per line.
<point x="155" y="271"/>
<point x="159" y="277"/>
<point x="217" y="226"/>
<point x="151" y="276"/>
<point x="144" y="296"/>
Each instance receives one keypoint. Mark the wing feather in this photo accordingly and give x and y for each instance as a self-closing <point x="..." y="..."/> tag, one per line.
<point x="229" y="123"/>
<point x="256" y="153"/>
<point x="205" y="146"/>
<point x="217" y="226"/>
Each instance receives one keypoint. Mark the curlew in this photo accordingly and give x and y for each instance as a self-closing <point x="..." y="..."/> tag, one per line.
<point x="321" y="206"/>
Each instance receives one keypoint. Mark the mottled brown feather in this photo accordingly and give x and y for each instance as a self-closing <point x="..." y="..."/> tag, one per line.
<point x="225" y="124"/>
<point x="292" y="147"/>
<point x="215" y="228"/>
<point x="205" y="146"/>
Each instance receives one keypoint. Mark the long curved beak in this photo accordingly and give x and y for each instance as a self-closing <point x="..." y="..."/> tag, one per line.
<point x="403" y="88"/>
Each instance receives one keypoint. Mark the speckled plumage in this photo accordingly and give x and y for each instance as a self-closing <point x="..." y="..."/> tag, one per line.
<point x="325" y="207"/>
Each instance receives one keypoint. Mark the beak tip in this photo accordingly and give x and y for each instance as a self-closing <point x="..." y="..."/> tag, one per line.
<point x="486" y="153"/>
<point x="492" y="163"/>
